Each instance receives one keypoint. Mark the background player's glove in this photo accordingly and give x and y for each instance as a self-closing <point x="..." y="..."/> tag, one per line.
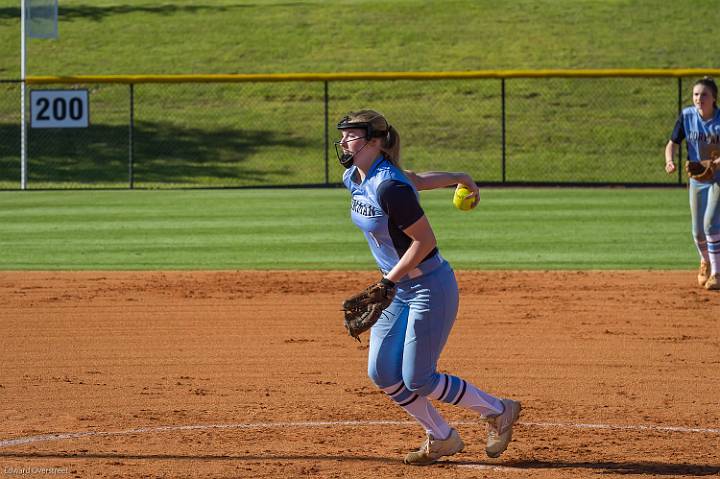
<point x="700" y="170"/>
<point x="364" y="309"/>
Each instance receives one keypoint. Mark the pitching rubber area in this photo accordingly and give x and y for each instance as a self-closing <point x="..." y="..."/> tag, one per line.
<point x="250" y="374"/>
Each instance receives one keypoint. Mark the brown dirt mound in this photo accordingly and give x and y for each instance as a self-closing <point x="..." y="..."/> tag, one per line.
<point x="251" y="374"/>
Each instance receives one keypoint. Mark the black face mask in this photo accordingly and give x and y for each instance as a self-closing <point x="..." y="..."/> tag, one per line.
<point x="346" y="159"/>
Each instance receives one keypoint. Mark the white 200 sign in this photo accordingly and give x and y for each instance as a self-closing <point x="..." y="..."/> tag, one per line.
<point x="59" y="109"/>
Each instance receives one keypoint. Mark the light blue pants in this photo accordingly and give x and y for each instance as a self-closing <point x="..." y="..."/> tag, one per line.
<point x="705" y="210"/>
<point x="406" y="342"/>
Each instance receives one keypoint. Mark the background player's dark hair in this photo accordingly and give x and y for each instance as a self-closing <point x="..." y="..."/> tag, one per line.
<point x="709" y="83"/>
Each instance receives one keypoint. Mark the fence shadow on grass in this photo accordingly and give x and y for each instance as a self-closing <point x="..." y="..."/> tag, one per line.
<point x="99" y="13"/>
<point x="163" y="153"/>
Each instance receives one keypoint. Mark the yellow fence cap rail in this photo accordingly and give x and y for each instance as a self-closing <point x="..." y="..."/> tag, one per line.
<point x="365" y="76"/>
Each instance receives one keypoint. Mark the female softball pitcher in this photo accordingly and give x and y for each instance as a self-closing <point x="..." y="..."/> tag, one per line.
<point x="699" y="126"/>
<point x="407" y="339"/>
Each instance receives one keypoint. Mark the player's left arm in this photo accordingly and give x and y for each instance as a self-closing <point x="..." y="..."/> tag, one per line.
<point x="400" y="202"/>
<point x="431" y="180"/>
<point x="423" y="242"/>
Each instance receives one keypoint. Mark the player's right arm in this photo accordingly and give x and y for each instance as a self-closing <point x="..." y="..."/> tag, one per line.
<point x="671" y="150"/>
<point x="672" y="147"/>
<point x="431" y="180"/>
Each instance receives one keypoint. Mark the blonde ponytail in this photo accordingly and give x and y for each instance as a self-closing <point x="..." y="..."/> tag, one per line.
<point x="391" y="146"/>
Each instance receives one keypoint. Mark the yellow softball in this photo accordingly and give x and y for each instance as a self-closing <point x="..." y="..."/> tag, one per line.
<point x="461" y="200"/>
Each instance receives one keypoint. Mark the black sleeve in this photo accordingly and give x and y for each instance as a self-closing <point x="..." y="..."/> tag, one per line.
<point x="399" y="201"/>
<point x="678" y="134"/>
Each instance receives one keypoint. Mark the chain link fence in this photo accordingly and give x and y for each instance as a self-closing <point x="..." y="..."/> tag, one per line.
<point x="9" y="134"/>
<point x="558" y="131"/>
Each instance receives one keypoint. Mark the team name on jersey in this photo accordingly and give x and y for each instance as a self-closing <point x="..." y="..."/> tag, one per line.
<point x="712" y="138"/>
<point x="364" y="209"/>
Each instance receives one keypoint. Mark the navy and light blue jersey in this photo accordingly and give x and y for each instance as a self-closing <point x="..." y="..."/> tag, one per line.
<point x="702" y="137"/>
<point x="382" y="206"/>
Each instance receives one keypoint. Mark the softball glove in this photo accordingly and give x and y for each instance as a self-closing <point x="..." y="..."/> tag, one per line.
<point x="703" y="170"/>
<point x="362" y="310"/>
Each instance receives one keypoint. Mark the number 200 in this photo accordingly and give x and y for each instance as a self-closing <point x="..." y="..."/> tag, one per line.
<point x="60" y="109"/>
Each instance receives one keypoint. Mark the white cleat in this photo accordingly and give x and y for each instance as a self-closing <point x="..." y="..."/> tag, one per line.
<point x="433" y="449"/>
<point x="500" y="428"/>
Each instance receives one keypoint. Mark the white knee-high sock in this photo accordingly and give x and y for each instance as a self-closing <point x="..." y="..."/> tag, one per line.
<point x="419" y="408"/>
<point x="713" y="251"/>
<point x="702" y="247"/>
<point x="454" y="390"/>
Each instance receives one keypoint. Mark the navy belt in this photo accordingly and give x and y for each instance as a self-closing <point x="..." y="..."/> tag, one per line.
<point x="427" y="266"/>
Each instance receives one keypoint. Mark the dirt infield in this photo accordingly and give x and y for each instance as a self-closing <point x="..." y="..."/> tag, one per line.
<point x="250" y="374"/>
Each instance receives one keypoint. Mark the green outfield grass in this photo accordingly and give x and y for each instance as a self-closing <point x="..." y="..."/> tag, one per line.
<point x="558" y="130"/>
<point x="310" y="229"/>
<point x="269" y="36"/>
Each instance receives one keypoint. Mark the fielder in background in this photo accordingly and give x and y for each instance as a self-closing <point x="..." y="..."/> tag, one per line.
<point x="420" y="286"/>
<point x="699" y="126"/>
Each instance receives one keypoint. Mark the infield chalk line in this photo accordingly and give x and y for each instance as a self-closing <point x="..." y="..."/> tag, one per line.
<point x="487" y="467"/>
<point x="313" y="424"/>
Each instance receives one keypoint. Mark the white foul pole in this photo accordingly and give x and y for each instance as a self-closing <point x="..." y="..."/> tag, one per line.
<point x="23" y="66"/>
